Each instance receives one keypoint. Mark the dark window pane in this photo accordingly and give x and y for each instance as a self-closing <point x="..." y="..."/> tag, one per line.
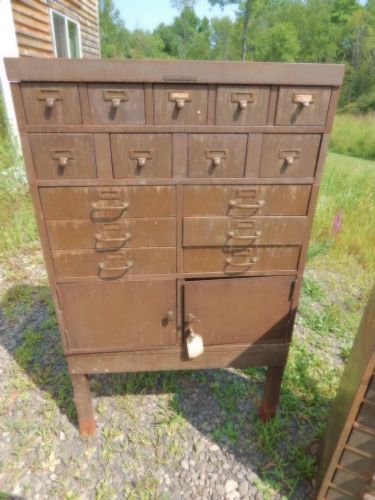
<point x="73" y="39"/>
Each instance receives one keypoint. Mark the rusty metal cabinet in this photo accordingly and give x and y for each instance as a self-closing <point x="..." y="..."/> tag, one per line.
<point x="166" y="191"/>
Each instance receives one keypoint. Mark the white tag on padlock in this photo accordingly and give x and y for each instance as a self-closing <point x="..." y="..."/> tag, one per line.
<point x="194" y="343"/>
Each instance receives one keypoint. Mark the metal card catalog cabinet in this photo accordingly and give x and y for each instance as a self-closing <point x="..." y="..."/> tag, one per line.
<point x="174" y="202"/>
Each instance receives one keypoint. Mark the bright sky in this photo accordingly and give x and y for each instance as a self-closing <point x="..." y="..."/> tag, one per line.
<point x="147" y="14"/>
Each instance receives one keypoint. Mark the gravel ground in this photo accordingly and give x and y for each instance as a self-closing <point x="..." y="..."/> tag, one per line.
<point x="163" y="435"/>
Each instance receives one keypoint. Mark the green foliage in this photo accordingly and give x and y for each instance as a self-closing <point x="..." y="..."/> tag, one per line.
<point x="348" y="188"/>
<point x="354" y="135"/>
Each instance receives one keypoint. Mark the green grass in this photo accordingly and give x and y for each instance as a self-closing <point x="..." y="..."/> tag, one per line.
<point x="354" y="135"/>
<point x="348" y="189"/>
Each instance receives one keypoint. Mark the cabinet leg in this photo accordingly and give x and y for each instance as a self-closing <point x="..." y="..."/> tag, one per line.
<point x="83" y="401"/>
<point x="271" y="392"/>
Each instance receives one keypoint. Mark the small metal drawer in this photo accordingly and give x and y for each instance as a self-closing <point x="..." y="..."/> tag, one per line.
<point x="348" y="482"/>
<point x="234" y="261"/>
<point x="141" y="155"/>
<point x="243" y="231"/>
<point x="180" y="104"/>
<point x="302" y="105"/>
<point x="63" y="156"/>
<point x="289" y="155"/>
<point x="246" y="200"/>
<point x="362" y="441"/>
<point x="104" y="236"/>
<point x="114" y="265"/>
<point x="216" y="155"/>
<point x="107" y="204"/>
<point x="117" y="103"/>
<point x="243" y="105"/>
<point x="51" y="103"/>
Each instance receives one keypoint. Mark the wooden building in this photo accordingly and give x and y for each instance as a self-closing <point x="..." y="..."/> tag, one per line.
<point x="46" y="28"/>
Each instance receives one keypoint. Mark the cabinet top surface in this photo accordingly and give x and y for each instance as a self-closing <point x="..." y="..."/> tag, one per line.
<point x="153" y="71"/>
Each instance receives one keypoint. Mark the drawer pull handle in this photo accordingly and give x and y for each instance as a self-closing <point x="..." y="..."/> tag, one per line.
<point x="303" y="99"/>
<point x="116" y="102"/>
<point x="121" y="270"/>
<point x="235" y="204"/>
<point x="63" y="161"/>
<point x="121" y="241"/>
<point x="246" y="263"/>
<point x="235" y="236"/>
<point x="170" y="315"/>
<point x="242" y="104"/>
<point x="141" y="161"/>
<point x="179" y="98"/>
<point x="109" y="208"/>
<point x="50" y="102"/>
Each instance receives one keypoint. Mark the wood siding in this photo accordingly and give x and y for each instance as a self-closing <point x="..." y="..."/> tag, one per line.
<point x="33" y="29"/>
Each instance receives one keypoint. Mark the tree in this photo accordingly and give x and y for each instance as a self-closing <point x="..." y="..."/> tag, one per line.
<point x="114" y="36"/>
<point x="280" y="44"/>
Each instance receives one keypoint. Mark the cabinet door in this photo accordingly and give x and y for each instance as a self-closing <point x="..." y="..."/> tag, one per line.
<point x="119" y="316"/>
<point x="239" y="310"/>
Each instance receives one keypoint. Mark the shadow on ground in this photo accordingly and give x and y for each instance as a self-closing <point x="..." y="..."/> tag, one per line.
<point x="220" y="404"/>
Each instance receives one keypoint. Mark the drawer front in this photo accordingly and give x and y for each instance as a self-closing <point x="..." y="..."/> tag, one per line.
<point x="141" y="155"/>
<point x="241" y="105"/>
<point x="107" y="204"/>
<point x="51" y="104"/>
<point x="302" y="106"/>
<point x="246" y="200"/>
<point x="216" y="155"/>
<point x="245" y="315"/>
<point x="236" y="261"/>
<point x="289" y="155"/>
<point x="101" y="236"/>
<point x="117" y="104"/>
<point x="119" y="316"/>
<point x="242" y="231"/>
<point x="114" y="265"/>
<point x="180" y="104"/>
<point x="63" y="156"/>
<point x="357" y="464"/>
<point x="336" y="495"/>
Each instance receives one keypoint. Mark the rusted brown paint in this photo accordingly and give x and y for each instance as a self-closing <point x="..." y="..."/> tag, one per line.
<point x="150" y="177"/>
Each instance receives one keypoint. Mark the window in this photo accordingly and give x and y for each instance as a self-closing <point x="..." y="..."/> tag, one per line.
<point x="65" y="35"/>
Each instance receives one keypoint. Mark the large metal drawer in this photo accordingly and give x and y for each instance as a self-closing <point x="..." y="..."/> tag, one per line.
<point x="114" y="265"/>
<point x="233" y="261"/>
<point x="244" y="304"/>
<point x="246" y="200"/>
<point x="107" y="204"/>
<point x="243" y="231"/>
<point x="119" y="316"/>
<point x="101" y="236"/>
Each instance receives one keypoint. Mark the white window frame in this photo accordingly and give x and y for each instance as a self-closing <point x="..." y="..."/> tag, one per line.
<point x="66" y="19"/>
